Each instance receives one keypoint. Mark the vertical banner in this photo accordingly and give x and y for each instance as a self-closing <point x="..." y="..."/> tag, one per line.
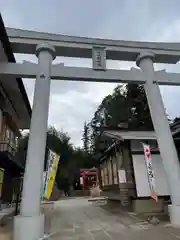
<point x="44" y="184"/>
<point x="150" y="172"/>
<point x="45" y="174"/>
<point x="1" y="179"/>
<point x="51" y="173"/>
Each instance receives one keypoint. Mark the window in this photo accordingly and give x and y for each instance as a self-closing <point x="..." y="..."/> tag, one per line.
<point x="7" y="135"/>
<point x="115" y="171"/>
<point x="109" y="169"/>
<point x="10" y="137"/>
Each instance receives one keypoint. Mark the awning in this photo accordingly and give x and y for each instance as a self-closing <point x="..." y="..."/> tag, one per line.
<point x="130" y="135"/>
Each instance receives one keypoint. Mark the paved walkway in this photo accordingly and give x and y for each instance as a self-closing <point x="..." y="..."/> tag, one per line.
<point x="80" y="219"/>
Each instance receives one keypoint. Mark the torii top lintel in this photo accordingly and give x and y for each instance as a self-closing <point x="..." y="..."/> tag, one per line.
<point x="23" y="41"/>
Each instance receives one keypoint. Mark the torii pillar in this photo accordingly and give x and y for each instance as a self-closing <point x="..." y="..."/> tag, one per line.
<point x="29" y="224"/>
<point x="163" y="134"/>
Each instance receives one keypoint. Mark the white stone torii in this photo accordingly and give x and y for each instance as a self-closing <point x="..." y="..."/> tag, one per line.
<point x="29" y="224"/>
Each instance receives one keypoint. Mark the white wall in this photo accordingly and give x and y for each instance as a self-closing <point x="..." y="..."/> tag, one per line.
<point x="136" y="145"/>
<point x="140" y="172"/>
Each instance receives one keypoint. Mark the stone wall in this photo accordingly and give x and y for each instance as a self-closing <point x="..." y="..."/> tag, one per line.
<point x="148" y="206"/>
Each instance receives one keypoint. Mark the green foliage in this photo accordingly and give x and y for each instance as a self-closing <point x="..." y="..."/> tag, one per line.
<point x="59" y="142"/>
<point x="85" y="137"/>
<point x="71" y="158"/>
<point x="127" y="104"/>
<point x="176" y="119"/>
<point x="139" y="114"/>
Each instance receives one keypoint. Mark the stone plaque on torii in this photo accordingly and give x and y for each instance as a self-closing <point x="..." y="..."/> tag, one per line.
<point x="46" y="46"/>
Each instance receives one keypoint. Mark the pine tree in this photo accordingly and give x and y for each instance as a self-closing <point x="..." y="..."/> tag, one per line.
<point x="85" y="137"/>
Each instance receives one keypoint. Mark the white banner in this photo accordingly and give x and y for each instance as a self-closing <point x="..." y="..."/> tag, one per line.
<point x="46" y="174"/>
<point x="44" y="184"/>
<point x="150" y="172"/>
<point x="53" y="163"/>
<point x="49" y="169"/>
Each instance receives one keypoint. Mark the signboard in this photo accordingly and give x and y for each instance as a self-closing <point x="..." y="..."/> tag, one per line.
<point x="150" y="172"/>
<point x="122" y="176"/>
<point x="99" y="58"/>
<point x="50" y="175"/>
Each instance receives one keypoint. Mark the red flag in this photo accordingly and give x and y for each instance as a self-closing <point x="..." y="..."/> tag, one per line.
<point x="154" y="196"/>
<point x="147" y="150"/>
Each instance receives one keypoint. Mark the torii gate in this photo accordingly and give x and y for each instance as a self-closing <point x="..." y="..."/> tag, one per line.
<point x="46" y="46"/>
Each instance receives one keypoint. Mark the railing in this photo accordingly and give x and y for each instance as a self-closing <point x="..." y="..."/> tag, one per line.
<point x="6" y="147"/>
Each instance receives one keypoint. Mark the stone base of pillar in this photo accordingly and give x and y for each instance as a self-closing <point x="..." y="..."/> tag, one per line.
<point x="28" y="228"/>
<point x="174" y="214"/>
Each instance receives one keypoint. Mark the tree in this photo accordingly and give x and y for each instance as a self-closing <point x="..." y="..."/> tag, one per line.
<point x="176" y="119"/>
<point x="139" y="114"/>
<point x="127" y="104"/>
<point x="85" y="137"/>
<point x="71" y="158"/>
<point x="116" y="107"/>
<point x="59" y="142"/>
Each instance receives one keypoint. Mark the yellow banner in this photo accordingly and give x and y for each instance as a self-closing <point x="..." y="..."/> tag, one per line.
<point x="1" y="179"/>
<point x="1" y="175"/>
<point x="53" y="166"/>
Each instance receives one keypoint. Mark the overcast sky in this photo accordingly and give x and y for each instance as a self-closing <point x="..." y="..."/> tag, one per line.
<point x="72" y="103"/>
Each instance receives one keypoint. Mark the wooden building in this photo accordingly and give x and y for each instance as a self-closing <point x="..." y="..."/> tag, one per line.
<point x="15" y="112"/>
<point x="123" y="169"/>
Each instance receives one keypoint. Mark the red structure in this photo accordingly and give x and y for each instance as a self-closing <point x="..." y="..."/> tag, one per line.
<point x="88" y="177"/>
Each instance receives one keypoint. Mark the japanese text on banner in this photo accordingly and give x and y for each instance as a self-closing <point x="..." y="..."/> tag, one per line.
<point x="150" y="172"/>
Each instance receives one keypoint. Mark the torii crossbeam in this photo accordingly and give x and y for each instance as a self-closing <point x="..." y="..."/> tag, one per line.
<point x="23" y="41"/>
